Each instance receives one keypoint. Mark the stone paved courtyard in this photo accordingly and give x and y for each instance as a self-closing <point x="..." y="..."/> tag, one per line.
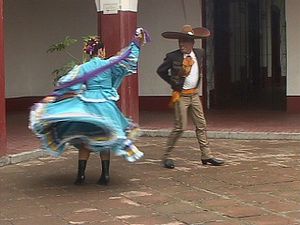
<point x="260" y="184"/>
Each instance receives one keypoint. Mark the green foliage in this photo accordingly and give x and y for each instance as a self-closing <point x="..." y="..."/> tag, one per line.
<point x="63" y="46"/>
<point x="58" y="73"/>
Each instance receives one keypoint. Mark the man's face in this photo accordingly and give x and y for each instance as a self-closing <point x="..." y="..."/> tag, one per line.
<point x="186" y="45"/>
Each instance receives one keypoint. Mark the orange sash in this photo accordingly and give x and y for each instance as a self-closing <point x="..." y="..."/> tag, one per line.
<point x="177" y="94"/>
<point x="187" y="65"/>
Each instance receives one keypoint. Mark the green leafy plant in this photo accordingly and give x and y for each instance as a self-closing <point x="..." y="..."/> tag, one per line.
<point x="63" y="46"/>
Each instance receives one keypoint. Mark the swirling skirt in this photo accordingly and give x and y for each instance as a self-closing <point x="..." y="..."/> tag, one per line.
<point x="99" y="126"/>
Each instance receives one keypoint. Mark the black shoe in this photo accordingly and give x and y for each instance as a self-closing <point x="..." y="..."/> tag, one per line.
<point x="213" y="162"/>
<point x="104" y="178"/>
<point x="81" y="172"/>
<point x="168" y="163"/>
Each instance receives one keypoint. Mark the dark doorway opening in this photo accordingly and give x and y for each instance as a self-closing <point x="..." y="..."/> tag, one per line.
<point x="278" y="92"/>
<point x="247" y="52"/>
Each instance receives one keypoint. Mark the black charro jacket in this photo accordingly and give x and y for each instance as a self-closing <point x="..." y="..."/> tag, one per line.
<point x="170" y="69"/>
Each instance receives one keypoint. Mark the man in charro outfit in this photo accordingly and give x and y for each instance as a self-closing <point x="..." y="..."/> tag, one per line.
<point x="182" y="70"/>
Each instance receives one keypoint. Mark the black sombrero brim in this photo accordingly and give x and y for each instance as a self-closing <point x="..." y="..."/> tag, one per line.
<point x="199" y="33"/>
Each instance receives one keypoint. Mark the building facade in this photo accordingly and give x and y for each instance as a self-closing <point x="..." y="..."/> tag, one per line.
<point x="251" y="57"/>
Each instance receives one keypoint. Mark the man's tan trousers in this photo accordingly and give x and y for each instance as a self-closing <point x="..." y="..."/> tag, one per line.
<point x="189" y="104"/>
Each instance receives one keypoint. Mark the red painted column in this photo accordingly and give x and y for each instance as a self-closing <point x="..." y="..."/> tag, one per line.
<point x="2" y="88"/>
<point x="116" y="31"/>
<point x="204" y="70"/>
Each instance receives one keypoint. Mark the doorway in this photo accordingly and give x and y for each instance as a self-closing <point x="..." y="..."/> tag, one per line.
<point x="247" y="50"/>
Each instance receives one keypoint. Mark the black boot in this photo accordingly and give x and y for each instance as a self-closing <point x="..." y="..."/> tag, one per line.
<point x="104" y="179"/>
<point x="81" y="172"/>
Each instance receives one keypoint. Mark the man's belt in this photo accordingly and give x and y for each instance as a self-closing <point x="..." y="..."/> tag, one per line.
<point x="177" y="94"/>
<point x="189" y="91"/>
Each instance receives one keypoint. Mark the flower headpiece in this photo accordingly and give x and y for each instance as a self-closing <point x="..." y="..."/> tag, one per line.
<point x="92" y="44"/>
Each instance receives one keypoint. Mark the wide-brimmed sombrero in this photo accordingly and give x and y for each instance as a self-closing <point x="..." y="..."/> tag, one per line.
<point x="187" y="32"/>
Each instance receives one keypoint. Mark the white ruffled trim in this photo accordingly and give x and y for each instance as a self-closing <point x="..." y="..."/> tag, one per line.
<point x="130" y="153"/>
<point x="36" y="114"/>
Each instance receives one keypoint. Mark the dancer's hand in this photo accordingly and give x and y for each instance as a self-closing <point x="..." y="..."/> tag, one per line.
<point x="140" y="35"/>
<point x="48" y="99"/>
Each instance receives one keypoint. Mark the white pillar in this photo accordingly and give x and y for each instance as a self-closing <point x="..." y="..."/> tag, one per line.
<point x="111" y="6"/>
<point x="293" y="47"/>
<point x="293" y="55"/>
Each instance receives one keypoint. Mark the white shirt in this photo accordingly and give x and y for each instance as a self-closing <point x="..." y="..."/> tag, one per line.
<point x="191" y="80"/>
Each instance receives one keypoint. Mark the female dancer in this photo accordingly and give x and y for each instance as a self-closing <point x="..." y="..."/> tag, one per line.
<point x="82" y="110"/>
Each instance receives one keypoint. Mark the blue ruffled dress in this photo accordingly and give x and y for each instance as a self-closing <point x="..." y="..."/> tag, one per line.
<point x="91" y="117"/>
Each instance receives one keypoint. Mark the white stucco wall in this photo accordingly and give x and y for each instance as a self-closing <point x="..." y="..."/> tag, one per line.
<point x="293" y="47"/>
<point x="31" y="26"/>
<point x="158" y="16"/>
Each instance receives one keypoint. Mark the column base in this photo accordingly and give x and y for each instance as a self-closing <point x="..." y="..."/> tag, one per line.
<point x="293" y="104"/>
